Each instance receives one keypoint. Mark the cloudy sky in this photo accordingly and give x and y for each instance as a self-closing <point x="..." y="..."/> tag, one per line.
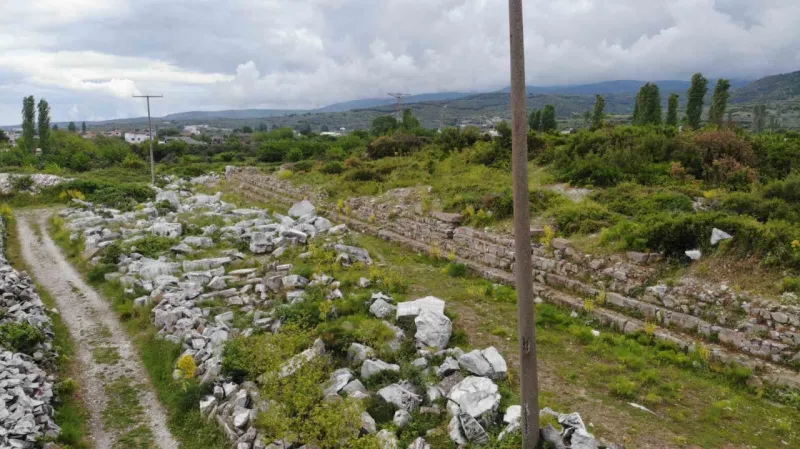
<point x="87" y="57"/>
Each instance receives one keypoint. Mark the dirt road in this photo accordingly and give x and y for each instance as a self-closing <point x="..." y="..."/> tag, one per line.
<point x="123" y="406"/>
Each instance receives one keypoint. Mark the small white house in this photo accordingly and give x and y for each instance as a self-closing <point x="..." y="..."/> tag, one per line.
<point x="136" y="138"/>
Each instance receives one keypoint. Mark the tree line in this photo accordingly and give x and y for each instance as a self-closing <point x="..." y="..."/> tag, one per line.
<point x="36" y="123"/>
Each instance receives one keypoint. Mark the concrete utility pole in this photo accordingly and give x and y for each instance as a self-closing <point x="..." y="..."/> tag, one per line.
<point x="522" y="233"/>
<point x="150" y="130"/>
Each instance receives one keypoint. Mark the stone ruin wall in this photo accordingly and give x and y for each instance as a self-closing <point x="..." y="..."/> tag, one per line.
<point x="758" y="327"/>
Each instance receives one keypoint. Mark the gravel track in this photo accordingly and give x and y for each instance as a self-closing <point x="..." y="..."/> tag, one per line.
<point x="96" y="330"/>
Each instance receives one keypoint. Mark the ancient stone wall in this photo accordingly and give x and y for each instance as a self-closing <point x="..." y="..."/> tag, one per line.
<point x="754" y="325"/>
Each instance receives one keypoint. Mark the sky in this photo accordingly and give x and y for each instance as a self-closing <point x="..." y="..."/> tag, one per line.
<point x="88" y="57"/>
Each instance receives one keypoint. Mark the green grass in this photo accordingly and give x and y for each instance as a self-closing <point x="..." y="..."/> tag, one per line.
<point x="125" y="415"/>
<point x="106" y="356"/>
<point x="158" y="356"/>
<point x="70" y="413"/>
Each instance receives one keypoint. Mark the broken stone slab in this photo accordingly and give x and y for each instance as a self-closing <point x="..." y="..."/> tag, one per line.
<point x="169" y="196"/>
<point x="302" y="208"/>
<point x="260" y="243"/>
<point x="338" y="229"/>
<point x="477" y="396"/>
<point x="387" y="439"/>
<point x="694" y="254"/>
<point x="401" y="418"/>
<point x="373" y="367"/>
<point x="205" y="264"/>
<point x="411" y="309"/>
<point x="419" y="443"/>
<point x="322" y="224"/>
<point x="446" y="217"/>
<point x="368" y="424"/>
<point x="718" y="235"/>
<point x="171" y="230"/>
<point x="449" y="366"/>
<point x="400" y="397"/>
<point x="182" y="248"/>
<point x="355" y="389"/>
<point x="201" y="242"/>
<point x="358" y="353"/>
<point x="433" y="329"/>
<point x="339" y="379"/>
<point x="472" y="429"/>
<point x="487" y="363"/>
<point x="382" y="309"/>
<point x="356" y="254"/>
<point x="297" y="361"/>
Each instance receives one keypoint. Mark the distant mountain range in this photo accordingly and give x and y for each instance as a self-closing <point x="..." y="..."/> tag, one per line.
<point x="570" y="101"/>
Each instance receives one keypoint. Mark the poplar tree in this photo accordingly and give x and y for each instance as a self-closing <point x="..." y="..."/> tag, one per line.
<point x="719" y="102"/>
<point x="599" y="111"/>
<point x="548" y="121"/>
<point x="28" y="122"/>
<point x="672" y="110"/>
<point x="44" y="125"/>
<point x="694" y="106"/>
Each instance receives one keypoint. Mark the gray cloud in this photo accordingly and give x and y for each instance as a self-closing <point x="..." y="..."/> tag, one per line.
<point x="90" y="55"/>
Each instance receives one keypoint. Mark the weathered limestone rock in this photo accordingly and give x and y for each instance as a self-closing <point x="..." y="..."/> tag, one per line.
<point x="718" y="235"/>
<point x="400" y="397"/>
<point x="476" y="396"/>
<point x="487" y="363"/>
<point x="411" y="309"/>
<point x="433" y="329"/>
<point x="302" y="208"/>
<point x="373" y="367"/>
<point x="382" y="309"/>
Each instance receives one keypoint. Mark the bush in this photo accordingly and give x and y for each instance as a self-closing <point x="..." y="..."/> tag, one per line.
<point x="397" y="145"/>
<point x="303" y="166"/>
<point x="133" y="162"/>
<point x="584" y="218"/>
<point x="332" y="168"/>
<point x="153" y="246"/>
<point x="97" y="275"/>
<point x="20" y="337"/>
<point x="363" y="175"/>
<point x="21" y="183"/>
<point x="455" y="270"/>
<point x="111" y="254"/>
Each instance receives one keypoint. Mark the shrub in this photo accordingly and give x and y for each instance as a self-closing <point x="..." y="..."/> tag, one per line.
<point x="397" y="145"/>
<point x="164" y="207"/>
<point x="624" y="388"/>
<point x="303" y="166"/>
<point x="20" y="337"/>
<point x="455" y="270"/>
<point x="133" y="162"/>
<point x="111" y="254"/>
<point x="250" y="357"/>
<point x="363" y="175"/>
<point x="585" y="217"/>
<point x="153" y="246"/>
<point x="787" y="190"/>
<point x="332" y="168"/>
<point x="21" y="183"/>
<point x="97" y="275"/>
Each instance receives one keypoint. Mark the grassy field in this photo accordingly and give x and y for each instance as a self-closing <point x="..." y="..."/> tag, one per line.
<point x="694" y="403"/>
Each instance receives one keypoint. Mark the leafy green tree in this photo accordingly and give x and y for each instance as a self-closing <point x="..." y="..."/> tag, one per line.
<point x="83" y="128"/>
<point x="647" y="109"/>
<point x="383" y="125"/>
<point x="672" y="110"/>
<point x="28" y="123"/>
<point x="535" y="120"/>
<point x="694" y="106"/>
<point x="262" y="127"/>
<point x="247" y="130"/>
<point x="759" y="117"/>
<point x="599" y="111"/>
<point x="3" y="137"/>
<point x="324" y="128"/>
<point x="55" y="127"/>
<point x="719" y="102"/>
<point x="548" y="122"/>
<point x="587" y="118"/>
<point x="44" y="125"/>
<point x="71" y="127"/>
<point x="410" y="123"/>
<point x="304" y="128"/>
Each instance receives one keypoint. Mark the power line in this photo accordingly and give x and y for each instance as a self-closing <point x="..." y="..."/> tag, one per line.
<point x="150" y="130"/>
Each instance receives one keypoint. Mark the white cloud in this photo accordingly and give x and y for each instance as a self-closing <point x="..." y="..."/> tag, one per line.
<point x="289" y="53"/>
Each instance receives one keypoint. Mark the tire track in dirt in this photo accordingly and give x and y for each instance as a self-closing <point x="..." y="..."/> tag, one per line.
<point x="124" y="410"/>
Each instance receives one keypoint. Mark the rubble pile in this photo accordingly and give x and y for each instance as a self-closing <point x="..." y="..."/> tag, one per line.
<point x="249" y="281"/>
<point x="26" y="389"/>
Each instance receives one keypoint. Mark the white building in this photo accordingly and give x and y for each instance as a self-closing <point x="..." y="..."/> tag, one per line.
<point x="136" y="138"/>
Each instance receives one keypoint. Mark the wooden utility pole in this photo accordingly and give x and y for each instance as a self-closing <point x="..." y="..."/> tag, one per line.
<point x="522" y="233"/>
<point x="150" y="130"/>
